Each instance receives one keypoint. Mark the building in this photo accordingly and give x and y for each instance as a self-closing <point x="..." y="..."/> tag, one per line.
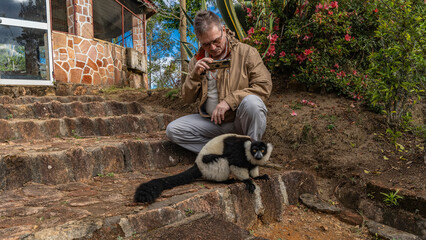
<point x="94" y="42"/>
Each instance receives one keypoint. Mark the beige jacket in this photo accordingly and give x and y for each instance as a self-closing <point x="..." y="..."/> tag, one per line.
<point x="246" y="76"/>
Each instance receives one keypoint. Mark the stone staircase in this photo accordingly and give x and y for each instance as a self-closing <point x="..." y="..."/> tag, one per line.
<point x="69" y="166"/>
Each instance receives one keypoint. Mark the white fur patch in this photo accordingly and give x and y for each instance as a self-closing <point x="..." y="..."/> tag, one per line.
<point x="215" y="171"/>
<point x="240" y="173"/>
<point x="254" y="172"/>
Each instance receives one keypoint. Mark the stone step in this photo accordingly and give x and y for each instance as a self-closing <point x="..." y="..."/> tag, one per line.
<point x="67" y="160"/>
<point x="55" y="109"/>
<point x="102" y="209"/>
<point x="46" y="99"/>
<point x="81" y="126"/>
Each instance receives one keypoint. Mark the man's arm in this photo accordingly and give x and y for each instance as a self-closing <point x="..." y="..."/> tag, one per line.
<point x="192" y="85"/>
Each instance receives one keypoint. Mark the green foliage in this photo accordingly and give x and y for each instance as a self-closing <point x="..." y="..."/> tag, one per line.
<point x="391" y="198"/>
<point x="369" y="50"/>
<point x="12" y="57"/>
<point x="172" y="94"/>
<point x="189" y="212"/>
<point x="318" y="43"/>
<point x="393" y="135"/>
<point x="398" y="66"/>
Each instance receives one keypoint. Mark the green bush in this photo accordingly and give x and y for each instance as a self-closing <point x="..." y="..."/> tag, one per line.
<point x="318" y="43"/>
<point x="397" y="68"/>
<point x="369" y="50"/>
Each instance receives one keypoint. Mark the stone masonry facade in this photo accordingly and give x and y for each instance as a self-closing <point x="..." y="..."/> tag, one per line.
<point x="81" y="59"/>
<point x="88" y="61"/>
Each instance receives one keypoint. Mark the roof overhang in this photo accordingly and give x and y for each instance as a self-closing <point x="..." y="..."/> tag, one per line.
<point x="147" y="7"/>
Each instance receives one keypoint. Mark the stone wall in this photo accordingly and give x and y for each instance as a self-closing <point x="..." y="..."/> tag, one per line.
<point x="88" y="61"/>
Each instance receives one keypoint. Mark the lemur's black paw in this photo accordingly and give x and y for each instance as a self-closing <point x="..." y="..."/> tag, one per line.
<point x="250" y="187"/>
<point x="263" y="177"/>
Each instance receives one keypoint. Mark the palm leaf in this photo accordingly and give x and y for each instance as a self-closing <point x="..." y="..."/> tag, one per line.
<point x="187" y="16"/>
<point x="229" y="15"/>
<point x="187" y="49"/>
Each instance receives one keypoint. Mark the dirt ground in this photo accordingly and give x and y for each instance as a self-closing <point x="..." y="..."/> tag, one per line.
<point x="302" y="223"/>
<point x="335" y="138"/>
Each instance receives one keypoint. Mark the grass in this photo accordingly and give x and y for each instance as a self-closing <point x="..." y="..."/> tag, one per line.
<point x="391" y="198"/>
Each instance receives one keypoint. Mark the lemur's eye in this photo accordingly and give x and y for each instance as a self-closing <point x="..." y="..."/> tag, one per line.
<point x="254" y="150"/>
<point x="263" y="151"/>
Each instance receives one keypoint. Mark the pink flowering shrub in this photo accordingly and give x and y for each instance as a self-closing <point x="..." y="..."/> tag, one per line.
<point x="323" y="44"/>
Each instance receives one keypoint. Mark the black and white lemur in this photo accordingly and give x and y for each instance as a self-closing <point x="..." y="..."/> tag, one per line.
<point x="224" y="154"/>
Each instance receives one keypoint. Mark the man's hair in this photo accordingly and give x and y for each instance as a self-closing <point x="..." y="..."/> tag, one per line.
<point x="203" y="21"/>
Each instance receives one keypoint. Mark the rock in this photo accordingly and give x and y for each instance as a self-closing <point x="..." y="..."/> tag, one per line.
<point x="312" y="201"/>
<point x="70" y="230"/>
<point x="389" y="233"/>
<point x="350" y="217"/>
<point x="201" y="227"/>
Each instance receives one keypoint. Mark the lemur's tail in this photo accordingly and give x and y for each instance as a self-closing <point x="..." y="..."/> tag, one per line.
<point x="148" y="192"/>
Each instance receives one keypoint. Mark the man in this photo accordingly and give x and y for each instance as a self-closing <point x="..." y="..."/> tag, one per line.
<point x="231" y="99"/>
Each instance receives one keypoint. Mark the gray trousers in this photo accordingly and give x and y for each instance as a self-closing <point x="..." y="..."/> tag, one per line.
<point x="193" y="131"/>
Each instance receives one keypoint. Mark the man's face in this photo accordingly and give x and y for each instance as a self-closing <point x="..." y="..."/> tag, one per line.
<point x="213" y="41"/>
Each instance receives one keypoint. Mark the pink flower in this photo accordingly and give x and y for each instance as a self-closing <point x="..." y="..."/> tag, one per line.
<point x="306" y="37"/>
<point x="300" y="58"/>
<point x="308" y="51"/>
<point x="332" y="70"/>
<point x="282" y="54"/>
<point x="276" y="28"/>
<point x="293" y="113"/>
<point x="318" y="7"/>
<point x="354" y="72"/>
<point x="257" y="42"/>
<point x="304" y="101"/>
<point x="263" y="29"/>
<point x="375" y="10"/>
<point x="271" y="51"/>
<point x="336" y="65"/>
<point x="273" y="38"/>
<point x="330" y="12"/>
<point x="326" y="6"/>
<point x="248" y="12"/>
<point x="334" y="4"/>
<point x="347" y="37"/>
<point x="250" y="31"/>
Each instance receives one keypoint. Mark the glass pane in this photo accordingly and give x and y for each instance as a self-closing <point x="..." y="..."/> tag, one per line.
<point x="31" y="10"/>
<point x="23" y="53"/>
<point x="59" y="15"/>
<point x="107" y="20"/>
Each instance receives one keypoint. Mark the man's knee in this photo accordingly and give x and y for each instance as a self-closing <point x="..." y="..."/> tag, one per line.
<point x="252" y="104"/>
<point x="171" y="130"/>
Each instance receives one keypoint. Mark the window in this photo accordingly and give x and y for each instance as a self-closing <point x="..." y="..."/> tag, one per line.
<point x="59" y="15"/>
<point x="113" y="21"/>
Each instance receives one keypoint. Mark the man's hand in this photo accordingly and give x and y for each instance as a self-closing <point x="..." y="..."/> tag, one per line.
<point x="201" y="66"/>
<point x="218" y="114"/>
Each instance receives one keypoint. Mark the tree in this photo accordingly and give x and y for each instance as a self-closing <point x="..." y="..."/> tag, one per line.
<point x="159" y="45"/>
<point x="182" y="33"/>
<point x="174" y="18"/>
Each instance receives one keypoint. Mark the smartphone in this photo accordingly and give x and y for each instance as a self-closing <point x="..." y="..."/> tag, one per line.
<point x="217" y="64"/>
